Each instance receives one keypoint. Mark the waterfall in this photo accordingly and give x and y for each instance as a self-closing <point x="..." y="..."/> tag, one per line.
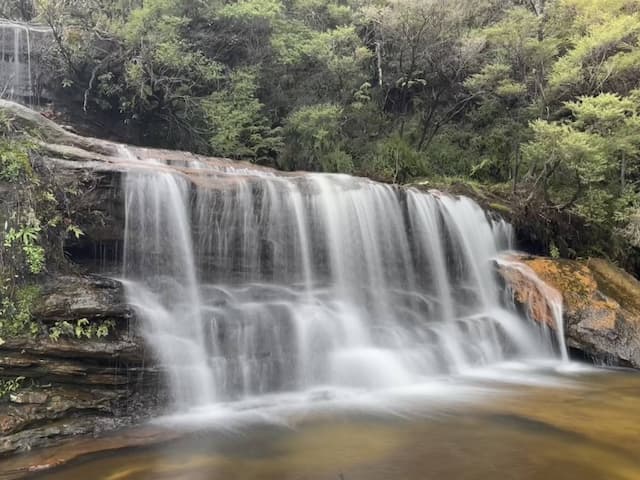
<point x="251" y="282"/>
<point x="541" y="293"/>
<point x="16" y="54"/>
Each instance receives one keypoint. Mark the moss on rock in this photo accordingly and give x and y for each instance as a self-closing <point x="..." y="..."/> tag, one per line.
<point x="601" y="307"/>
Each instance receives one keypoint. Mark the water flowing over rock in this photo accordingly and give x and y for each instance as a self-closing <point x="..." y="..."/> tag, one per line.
<point x="18" y="66"/>
<point x="251" y="282"/>
<point x="246" y="281"/>
<point x="601" y="306"/>
<point x="541" y="302"/>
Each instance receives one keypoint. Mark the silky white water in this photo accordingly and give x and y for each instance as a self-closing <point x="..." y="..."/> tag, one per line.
<point x="251" y="283"/>
<point x="553" y="299"/>
<point x="16" y="55"/>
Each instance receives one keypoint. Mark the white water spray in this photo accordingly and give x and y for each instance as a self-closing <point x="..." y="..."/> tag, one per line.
<point x="251" y="283"/>
<point x="543" y="292"/>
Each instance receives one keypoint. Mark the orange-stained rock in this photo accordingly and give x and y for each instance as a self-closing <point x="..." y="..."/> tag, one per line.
<point x="530" y="291"/>
<point x="601" y="304"/>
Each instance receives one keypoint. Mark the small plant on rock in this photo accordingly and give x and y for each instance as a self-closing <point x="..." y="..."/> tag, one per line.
<point x="9" y="386"/>
<point x="82" y="328"/>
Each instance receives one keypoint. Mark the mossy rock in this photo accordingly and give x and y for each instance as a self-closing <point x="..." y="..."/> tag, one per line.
<point x="601" y="307"/>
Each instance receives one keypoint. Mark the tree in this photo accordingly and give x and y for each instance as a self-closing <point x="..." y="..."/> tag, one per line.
<point x="239" y="128"/>
<point x="601" y="45"/>
<point x="132" y="62"/>
<point x="589" y="163"/>
<point x="509" y="89"/>
<point x="421" y="60"/>
<point x="313" y="140"/>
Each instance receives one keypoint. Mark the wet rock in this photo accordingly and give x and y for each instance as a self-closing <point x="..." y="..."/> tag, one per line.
<point x="69" y="297"/>
<point x="601" y="305"/>
<point x="124" y="348"/>
<point x="535" y="296"/>
<point x="78" y="371"/>
<point x="19" y="466"/>
<point x="52" y="432"/>
<point x="29" y="397"/>
<point x="71" y="386"/>
<point x="55" y="403"/>
<point x="59" y="402"/>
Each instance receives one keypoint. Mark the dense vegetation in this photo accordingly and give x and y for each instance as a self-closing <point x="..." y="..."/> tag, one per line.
<point x="37" y="212"/>
<point x="540" y="97"/>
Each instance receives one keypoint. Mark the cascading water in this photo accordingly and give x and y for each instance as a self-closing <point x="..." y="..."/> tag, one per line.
<point x="541" y="292"/>
<point x="250" y="282"/>
<point x="16" y="55"/>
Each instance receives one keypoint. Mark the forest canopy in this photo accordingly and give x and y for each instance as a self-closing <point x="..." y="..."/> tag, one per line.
<point x="541" y="96"/>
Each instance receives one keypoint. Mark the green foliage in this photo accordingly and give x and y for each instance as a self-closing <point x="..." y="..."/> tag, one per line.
<point x="82" y="328"/>
<point x="595" y="153"/>
<point x="300" y="43"/>
<point x="10" y="385"/>
<point x="398" y="160"/>
<point x="26" y="238"/>
<point x="602" y="57"/>
<point x="562" y="146"/>
<point x="75" y="230"/>
<point x="33" y="228"/>
<point x="252" y="9"/>
<point x="164" y="74"/>
<point x="14" y="161"/>
<point x="313" y="140"/>
<point x="239" y="127"/>
<point x="21" y="236"/>
<point x="542" y="95"/>
<point x="15" y="310"/>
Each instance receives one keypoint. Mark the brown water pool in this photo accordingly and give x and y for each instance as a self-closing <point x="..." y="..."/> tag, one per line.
<point x="585" y="427"/>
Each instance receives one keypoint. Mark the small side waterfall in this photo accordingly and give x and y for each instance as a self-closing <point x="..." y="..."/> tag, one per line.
<point x="17" y="69"/>
<point x="543" y="301"/>
<point x="251" y="282"/>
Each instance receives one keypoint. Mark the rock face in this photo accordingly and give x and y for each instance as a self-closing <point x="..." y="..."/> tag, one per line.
<point x="601" y="305"/>
<point x="72" y="386"/>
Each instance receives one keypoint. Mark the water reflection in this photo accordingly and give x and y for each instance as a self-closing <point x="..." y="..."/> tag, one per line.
<point x="577" y="425"/>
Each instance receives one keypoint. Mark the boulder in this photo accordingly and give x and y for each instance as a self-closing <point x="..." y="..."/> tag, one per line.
<point x="601" y="304"/>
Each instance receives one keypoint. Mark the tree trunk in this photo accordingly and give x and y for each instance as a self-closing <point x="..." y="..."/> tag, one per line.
<point x="426" y="122"/>
<point x="379" y="59"/>
<point x="538" y="6"/>
<point x="397" y="168"/>
<point x="516" y="168"/>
